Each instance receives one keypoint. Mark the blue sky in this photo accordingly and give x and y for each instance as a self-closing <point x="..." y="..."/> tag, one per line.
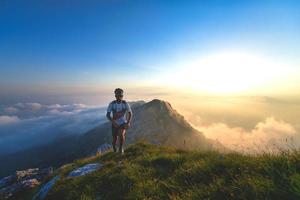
<point x="109" y="42"/>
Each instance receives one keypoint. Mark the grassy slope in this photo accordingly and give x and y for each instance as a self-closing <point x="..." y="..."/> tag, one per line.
<point x="157" y="172"/>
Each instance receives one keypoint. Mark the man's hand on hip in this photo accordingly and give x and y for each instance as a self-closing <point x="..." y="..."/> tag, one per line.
<point x="127" y="125"/>
<point x="114" y="123"/>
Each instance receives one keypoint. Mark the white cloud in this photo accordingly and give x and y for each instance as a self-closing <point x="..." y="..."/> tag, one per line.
<point x="79" y="105"/>
<point x="58" y="112"/>
<point x="34" y="106"/>
<point x="11" y="110"/>
<point x="4" y="119"/>
<point x="54" y="106"/>
<point x="33" y="110"/>
<point x="20" y="105"/>
<point x="37" y="124"/>
<point x="268" y="135"/>
<point x="29" y="106"/>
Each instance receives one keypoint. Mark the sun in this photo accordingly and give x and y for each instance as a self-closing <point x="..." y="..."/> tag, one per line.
<point x="229" y="72"/>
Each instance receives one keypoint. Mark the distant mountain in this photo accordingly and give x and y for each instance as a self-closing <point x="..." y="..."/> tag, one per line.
<point x="156" y="122"/>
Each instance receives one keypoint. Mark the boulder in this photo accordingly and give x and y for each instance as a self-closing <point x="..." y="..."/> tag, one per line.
<point x="11" y="190"/>
<point x="22" y="180"/>
<point x="88" y="168"/>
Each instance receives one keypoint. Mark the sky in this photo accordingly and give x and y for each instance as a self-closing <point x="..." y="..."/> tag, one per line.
<point x="71" y="51"/>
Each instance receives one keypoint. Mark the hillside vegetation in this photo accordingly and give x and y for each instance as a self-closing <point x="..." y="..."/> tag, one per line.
<point x="149" y="171"/>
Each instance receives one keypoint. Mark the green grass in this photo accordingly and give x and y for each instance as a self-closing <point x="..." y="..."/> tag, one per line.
<point x="157" y="172"/>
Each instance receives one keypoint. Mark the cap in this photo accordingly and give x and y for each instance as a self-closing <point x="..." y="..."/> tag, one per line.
<point x="119" y="91"/>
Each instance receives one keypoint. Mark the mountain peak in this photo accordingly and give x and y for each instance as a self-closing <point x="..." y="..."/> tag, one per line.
<point x="160" y="104"/>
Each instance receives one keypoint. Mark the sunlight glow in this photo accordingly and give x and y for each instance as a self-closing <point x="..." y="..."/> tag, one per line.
<point x="225" y="73"/>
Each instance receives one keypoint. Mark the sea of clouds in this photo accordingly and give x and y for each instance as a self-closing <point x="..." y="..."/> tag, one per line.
<point x="24" y="125"/>
<point x="270" y="135"/>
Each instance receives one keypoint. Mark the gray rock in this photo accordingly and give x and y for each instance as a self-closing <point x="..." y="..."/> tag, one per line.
<point x="22" y="180"/>
<point x="18" y="187"/>
<point x="85" y="169"/>
<point x="26" y="173"/>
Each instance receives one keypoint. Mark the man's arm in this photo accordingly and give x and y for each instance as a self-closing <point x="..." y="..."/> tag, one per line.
<point x="129" y="118"/>
<point x="111" y="119"/>
<point x="109" y="109"/>
<point x="108" y="116"/>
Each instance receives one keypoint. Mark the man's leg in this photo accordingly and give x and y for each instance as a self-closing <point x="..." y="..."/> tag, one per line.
<point x="115" y="137"/>
<point x="122" y="139"/>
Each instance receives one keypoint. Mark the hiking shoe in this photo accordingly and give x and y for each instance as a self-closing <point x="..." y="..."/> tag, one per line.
<point x="121" y="151"/>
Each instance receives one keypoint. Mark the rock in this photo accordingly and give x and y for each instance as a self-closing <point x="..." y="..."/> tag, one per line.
<point x="26" y="173"/>
<point x="30" y="183"/>
<point x="18" y="187"/>
<point x="46" y="188"/>
<point x="85" y="169"/>
<point x="23" y="180"/>
<point x="78" y="172"/>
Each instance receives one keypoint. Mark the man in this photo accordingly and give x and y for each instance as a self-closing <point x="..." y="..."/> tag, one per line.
<point x="119" y="107"/>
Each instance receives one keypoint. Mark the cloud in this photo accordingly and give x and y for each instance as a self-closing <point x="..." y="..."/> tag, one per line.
<point x="8" y="119"/>
<point x="37" y="124"/>
<point x="54" y="106"/>
<point x="32" y="110"/>
<point x="58" y="112"/>
<point x="11" y="110"/>
<point x="34" y="106"/>
<point x="269" y="135"/>
<point x="28" y="106"/>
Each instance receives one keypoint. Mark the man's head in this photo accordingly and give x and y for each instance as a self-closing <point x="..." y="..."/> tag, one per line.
<point x="119" y="94"/>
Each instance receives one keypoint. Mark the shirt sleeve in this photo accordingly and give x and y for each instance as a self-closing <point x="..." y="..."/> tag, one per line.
<point x="109" y="108"/>
<point x="128" y="107"/>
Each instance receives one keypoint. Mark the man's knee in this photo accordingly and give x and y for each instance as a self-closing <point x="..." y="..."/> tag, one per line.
<point x="123" y="132"/>
<point x="122" y="135"/>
